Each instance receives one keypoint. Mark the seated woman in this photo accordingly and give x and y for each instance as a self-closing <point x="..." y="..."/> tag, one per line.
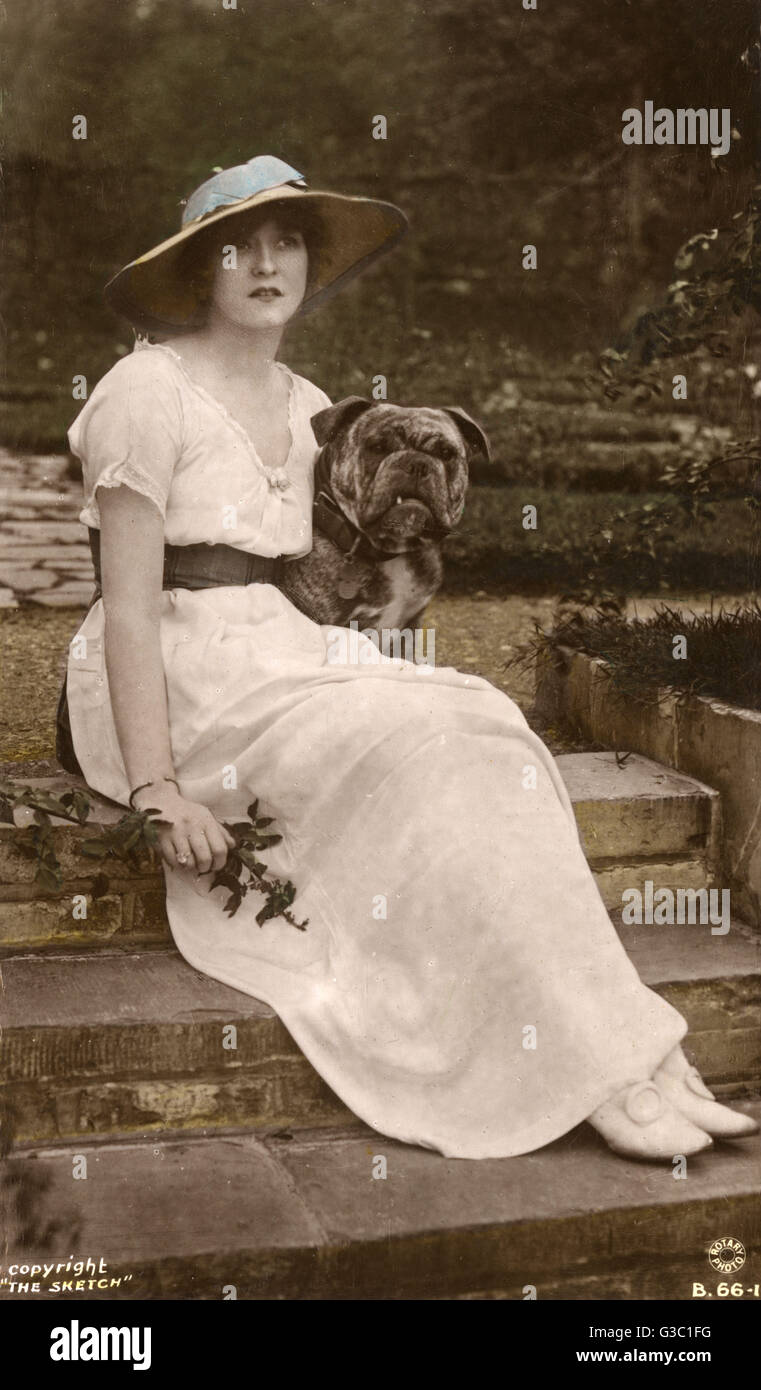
<point x="460" y="984"/>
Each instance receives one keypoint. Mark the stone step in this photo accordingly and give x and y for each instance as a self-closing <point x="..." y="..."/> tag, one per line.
<point x="627" y="466"/>
<point x="302" y="1217"/>
<point x="640" y="821"/>
<point x="553" y="390"/>
<point x="598" y="425"/>
<point x="106" y="1043"/>
<point x="92" y="1044"/>
<point x="622" y="466"/>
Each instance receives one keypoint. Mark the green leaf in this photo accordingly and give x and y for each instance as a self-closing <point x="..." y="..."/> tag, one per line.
<point x="81" y="805"/>
<point x="248" y="857"/>
<point x="93" y="848"/>
<point x="48" y="879"/>
<point x="225" y="880"/>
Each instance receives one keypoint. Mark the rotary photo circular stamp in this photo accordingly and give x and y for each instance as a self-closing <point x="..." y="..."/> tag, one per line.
<point x="727" y="1254"/>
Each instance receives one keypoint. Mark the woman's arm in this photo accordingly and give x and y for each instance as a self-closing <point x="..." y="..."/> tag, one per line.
<point x="132" y="557"/>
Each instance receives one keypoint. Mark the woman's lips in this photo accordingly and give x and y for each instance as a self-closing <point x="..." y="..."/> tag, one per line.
<point x="265" y="294"/>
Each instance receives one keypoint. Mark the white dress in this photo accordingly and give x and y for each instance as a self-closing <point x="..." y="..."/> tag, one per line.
<point x="460" y="984"/>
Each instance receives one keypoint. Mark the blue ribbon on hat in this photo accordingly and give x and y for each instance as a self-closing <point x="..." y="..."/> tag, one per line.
<point x="243" y="181"/>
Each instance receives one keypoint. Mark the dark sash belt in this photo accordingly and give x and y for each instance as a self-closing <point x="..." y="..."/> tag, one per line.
<point x="198" y="566"/>
<point x="203" y="566"/>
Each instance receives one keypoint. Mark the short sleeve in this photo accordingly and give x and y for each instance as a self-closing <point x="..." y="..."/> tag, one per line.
<point x="312" y="399"/>
<point x="130" y="432"/>
<point x="321" y="401"/>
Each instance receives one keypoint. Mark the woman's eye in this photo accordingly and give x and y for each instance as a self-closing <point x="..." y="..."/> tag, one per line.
<point x="291" y="239"/>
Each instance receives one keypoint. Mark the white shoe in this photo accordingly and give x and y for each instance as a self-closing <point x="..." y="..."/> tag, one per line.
<point x="640" y="1122"/>
<point x="685" y="1088"/>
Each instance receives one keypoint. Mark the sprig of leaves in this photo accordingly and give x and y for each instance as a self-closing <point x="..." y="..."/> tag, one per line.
<point x="133" y="840"/>
<point x="697" y="307"/>
<point x="251" y="837"/>
<point x="692" y="318"/>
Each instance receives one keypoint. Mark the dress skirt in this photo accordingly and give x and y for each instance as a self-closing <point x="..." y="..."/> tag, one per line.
<point x="459" y="985"/>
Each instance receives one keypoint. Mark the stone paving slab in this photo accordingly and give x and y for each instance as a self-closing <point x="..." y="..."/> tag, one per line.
<point x="19" y="550"/>
<point x="41" y="526"/>
<point x="600" y="775"/>
<point x="64" y="598"/>
<point x="190" y="1199"/>
<point x="24" y="581"/>
<point x="306" y="1220"/>
<point x="36" y="497"/>
<point x="52" y="512"/>
<point x="110" y="991"/>
<point x="63" y="531"/>
<point x="335" y="1181"/>
<point x="690" y="952"/>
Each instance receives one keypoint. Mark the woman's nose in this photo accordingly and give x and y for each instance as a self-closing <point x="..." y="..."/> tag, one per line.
<point x="263" y="259"/>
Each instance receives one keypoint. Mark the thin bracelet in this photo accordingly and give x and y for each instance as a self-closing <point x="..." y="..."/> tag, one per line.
<point x="143" y="785"/>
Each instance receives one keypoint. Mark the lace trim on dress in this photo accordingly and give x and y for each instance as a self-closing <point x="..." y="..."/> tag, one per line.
<point x="128" y="474"/>
<point x="276" y="477"/>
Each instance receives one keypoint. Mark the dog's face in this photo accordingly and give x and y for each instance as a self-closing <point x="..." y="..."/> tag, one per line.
<point x="400" y="473"/>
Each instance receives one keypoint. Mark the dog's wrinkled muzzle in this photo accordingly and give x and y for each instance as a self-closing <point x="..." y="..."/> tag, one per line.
<point x="409" y="497"/>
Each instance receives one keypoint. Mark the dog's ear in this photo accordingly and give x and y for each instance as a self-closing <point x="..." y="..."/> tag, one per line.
<point x="470" y="431"/>
<point x="327" y="423"/>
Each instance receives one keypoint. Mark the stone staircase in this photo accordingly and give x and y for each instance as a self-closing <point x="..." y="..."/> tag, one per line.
<point x="210" y="1168"/>
<point x="556" y="429"/>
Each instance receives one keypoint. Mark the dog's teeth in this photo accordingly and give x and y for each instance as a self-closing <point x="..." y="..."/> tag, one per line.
<point x="399" y="501"/>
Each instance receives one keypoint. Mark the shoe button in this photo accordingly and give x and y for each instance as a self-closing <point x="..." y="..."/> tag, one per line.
<point x="644" y="1103"/>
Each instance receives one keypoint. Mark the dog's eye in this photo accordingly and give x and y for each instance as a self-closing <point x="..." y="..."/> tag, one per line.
<point x="445" y="452"/>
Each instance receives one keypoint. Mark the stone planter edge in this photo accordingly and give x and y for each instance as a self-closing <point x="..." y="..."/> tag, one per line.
<point x="701" y="736"/>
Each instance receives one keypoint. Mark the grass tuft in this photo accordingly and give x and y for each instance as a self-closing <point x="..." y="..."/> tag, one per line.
<point x="721" y="651"/>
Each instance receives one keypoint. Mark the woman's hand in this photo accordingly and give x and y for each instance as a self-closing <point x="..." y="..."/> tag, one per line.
<point x="194" y="831"/>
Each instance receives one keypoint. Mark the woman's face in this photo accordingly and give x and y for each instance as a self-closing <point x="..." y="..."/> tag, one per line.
<point x="262" y="283"/>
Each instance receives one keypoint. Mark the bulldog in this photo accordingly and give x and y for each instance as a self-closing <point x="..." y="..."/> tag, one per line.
<point x="389" y="485"/>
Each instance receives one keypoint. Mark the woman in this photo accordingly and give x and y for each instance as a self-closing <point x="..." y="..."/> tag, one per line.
<point x="460" y="985"/>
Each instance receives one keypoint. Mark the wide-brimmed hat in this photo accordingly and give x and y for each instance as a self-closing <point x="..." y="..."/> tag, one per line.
<point x="153" y="293"/>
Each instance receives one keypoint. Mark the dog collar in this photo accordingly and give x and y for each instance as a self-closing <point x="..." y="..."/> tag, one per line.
<point x="328" y="518"/>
